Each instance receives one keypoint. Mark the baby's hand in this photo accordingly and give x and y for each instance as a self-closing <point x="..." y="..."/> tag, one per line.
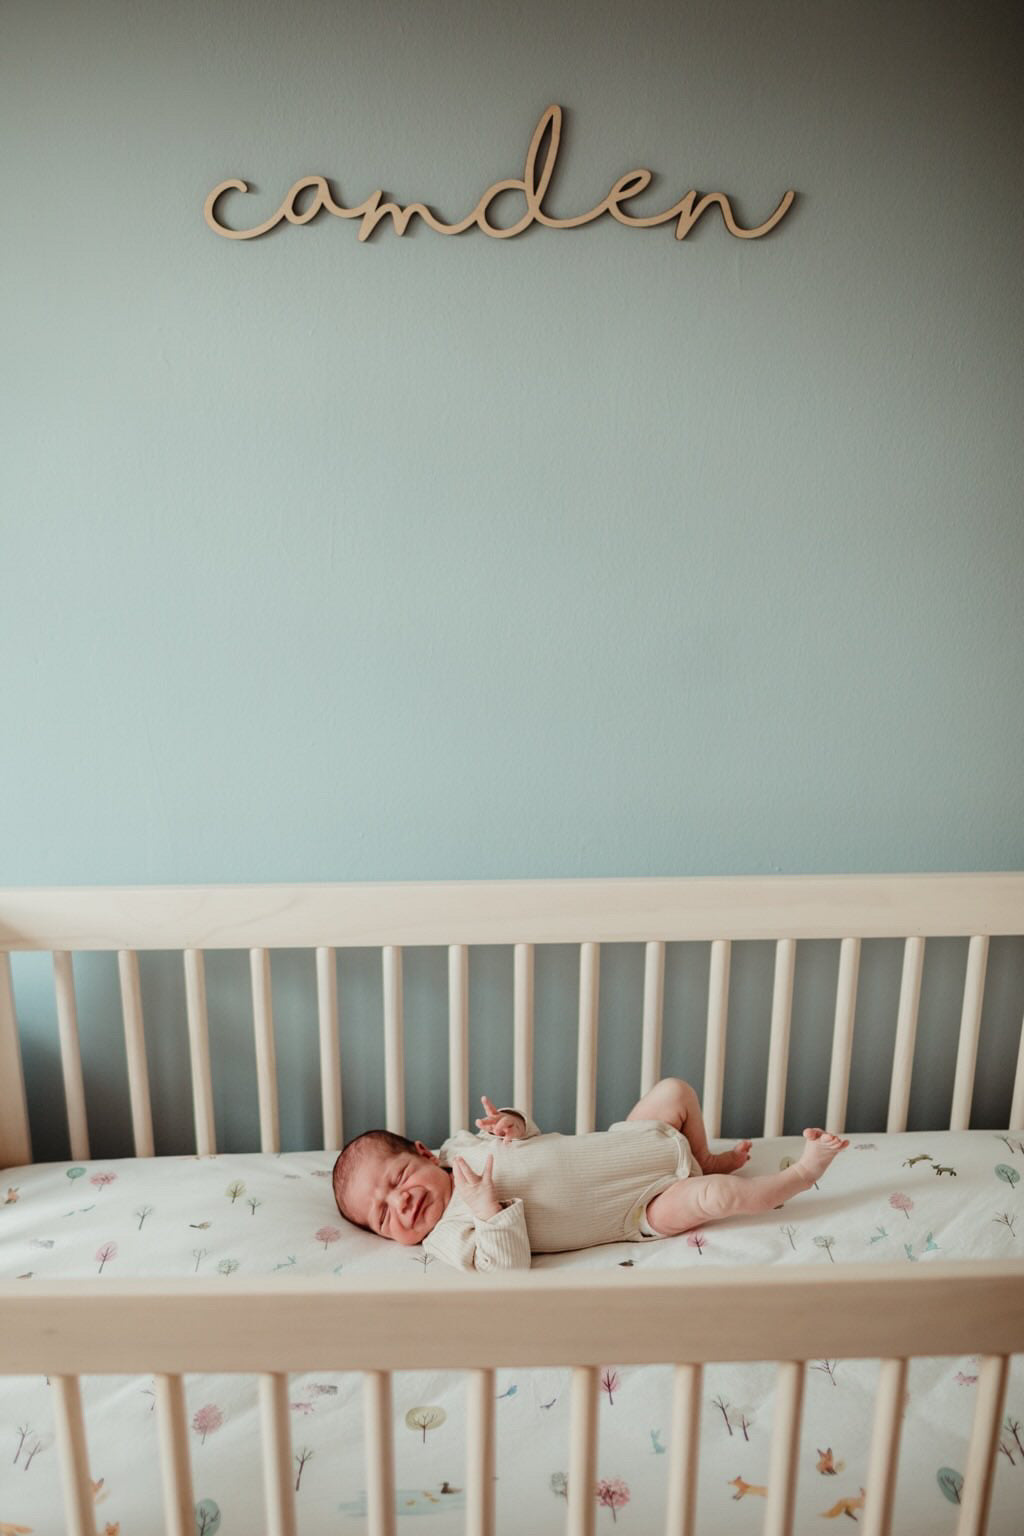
<point x="509" y="1126"/>
<point x="477" y="1189"/>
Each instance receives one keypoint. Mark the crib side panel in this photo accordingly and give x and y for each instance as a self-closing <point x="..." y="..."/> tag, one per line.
<point x="522" y="916"/>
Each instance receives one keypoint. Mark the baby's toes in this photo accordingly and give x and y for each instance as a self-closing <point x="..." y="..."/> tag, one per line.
<point x="812" y="1132"/>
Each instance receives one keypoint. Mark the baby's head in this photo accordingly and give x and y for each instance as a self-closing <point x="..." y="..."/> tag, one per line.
<point x="393" y="1187"/>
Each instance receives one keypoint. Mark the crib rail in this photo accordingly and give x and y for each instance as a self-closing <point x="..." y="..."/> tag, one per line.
<point x="525" y="1319"/>
<point x="372" y="915"/>
<point x="523" y="914"/>
<point x="479" y="1323"/>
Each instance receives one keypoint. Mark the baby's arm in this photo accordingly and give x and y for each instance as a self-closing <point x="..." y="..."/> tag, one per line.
<point x="508" y="1124"/>
<point x="494" y="1239"/>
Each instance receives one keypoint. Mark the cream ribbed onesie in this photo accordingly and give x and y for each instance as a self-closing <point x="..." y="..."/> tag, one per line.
<point x="558" y="1193"/>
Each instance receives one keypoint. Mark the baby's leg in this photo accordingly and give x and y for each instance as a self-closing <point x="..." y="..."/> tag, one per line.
<point x="677" y="1104"/>
<point x="691" y="1202"/>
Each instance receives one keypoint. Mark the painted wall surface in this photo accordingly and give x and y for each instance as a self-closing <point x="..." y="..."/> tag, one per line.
<point x="587" y="552"/>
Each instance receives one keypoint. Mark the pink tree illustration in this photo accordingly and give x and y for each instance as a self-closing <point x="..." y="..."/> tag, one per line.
<point x="612" y="1493"/>
<point x="101" y="1180"/>
<point x="698" y="1240"/>
<point x="610" y="1384"/>
<point x="206" y="1419"/>
<point x="328" y="1235"/>
<point x="901" y="1202"/>
<point x="107" y="1251"/>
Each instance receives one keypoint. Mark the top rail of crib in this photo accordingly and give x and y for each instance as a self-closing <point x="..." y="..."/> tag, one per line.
<point x="544" y="911"/>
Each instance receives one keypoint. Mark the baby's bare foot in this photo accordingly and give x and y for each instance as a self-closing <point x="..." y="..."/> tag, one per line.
<point x="820" y="1147"/>
<point x="726" y="1162"/>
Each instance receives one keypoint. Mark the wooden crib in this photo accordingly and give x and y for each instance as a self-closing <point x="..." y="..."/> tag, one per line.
<point x="480" y="1323"/>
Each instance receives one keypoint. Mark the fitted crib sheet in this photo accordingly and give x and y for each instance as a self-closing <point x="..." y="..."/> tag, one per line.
<point x="911" y="1198"/>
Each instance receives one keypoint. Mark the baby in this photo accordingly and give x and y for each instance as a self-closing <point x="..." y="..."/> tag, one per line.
<point x="491" y="1200"/>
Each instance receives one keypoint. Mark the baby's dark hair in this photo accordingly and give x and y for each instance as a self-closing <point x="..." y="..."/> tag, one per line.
<point x="352" y="1155"/>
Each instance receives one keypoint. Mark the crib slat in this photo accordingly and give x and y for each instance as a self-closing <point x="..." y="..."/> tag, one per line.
<point x="394" y="1040"/>
<point x="782" y="1467"/>
<point x="74" y="1456"/>
<point x="778" y="1049"/>
<point x="970" y="1028"/>
<point x="842" y="1035"/>
<point x="582" y="1450"/>
<point x="522" y="1013"/>
<point x="380" y="1453"/>
<point x="714" y="1057"/>
<point x="906" y="1031"/>
<point x="654" y="1015"/>
<point x="976" y="1494"/>
<point x="480" y="1453"/>
<point x="885" y="1448"/>
<point x="458" y="1038"/>
<point x="1016" y="1105"/>
<point x="330" y="1047"/>
<point x="70" y="1054"/>
<point x="684" y="1451"/>
<point x="135" y="1052"/>
<point x="586" y="1058"/>
<point x="266" y="1056"/>
<point x="199" y="1052"/>
<point x="278" y="1470"/>
<point x="15" y="1141"/>
<point x="175" y="1465"/>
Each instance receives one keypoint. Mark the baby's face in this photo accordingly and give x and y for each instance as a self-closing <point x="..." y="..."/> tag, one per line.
<point x="400" y="1195"/>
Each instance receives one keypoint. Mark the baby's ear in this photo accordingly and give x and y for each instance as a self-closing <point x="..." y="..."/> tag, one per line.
<point x="426" y="1152"/>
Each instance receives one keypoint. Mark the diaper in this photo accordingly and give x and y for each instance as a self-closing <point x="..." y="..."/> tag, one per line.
<point x="645" y="1229"/>
<point x="638" y="1229"/>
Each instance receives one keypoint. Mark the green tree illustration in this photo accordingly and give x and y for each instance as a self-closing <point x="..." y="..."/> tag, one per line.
<point x="950" y="1483"/>
<point x="207" y="1518"/>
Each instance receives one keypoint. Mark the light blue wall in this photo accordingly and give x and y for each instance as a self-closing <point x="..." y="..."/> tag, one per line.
<point x="582" y="553"/>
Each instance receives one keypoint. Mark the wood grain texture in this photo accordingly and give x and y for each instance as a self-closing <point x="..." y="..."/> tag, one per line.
<point x="522" y="1319"/>
<point x="512" y="912"/>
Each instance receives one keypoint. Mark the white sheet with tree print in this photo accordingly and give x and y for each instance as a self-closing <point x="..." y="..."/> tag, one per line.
<point x="910" y="1198"/>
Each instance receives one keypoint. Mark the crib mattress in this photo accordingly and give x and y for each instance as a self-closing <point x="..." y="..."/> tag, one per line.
<point x="910" y="1198"/>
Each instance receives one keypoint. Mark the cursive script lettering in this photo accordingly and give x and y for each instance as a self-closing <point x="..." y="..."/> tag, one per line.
<point x="532" y="185"/>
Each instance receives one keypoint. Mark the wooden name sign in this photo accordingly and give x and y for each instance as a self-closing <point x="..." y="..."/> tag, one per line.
<point x="532" y="185"/>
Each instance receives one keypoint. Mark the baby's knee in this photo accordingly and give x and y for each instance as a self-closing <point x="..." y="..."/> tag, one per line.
<point x="676" y="1086"/>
